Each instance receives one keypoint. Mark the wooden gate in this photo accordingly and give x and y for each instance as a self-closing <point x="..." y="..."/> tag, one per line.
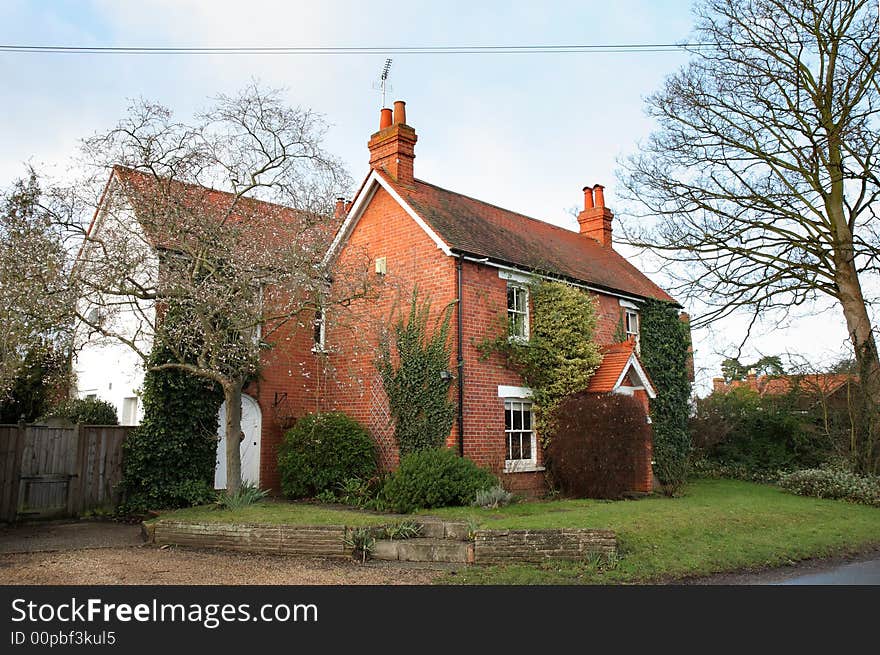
<point x="58" y="471"/>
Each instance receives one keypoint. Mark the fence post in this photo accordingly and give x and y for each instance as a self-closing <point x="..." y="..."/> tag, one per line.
<point x="75" y="485"/>
<point x="17" y="459"/>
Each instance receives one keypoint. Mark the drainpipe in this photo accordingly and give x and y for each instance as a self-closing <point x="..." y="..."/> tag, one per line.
<point x="460" y="362"/>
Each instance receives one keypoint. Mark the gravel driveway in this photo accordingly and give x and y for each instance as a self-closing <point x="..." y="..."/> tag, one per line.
<point x="113" y="553"/>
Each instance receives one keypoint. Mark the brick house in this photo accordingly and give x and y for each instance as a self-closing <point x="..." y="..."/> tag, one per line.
<point x="463" y="252"/>
<point x="479" y="258"/>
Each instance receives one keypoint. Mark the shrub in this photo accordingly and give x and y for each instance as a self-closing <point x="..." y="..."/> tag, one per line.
<point x="709" y="468"/>
<point x="756" y="434"/>
<point x="497" y="496"/>
<point x="248" y="494"/>
<point x="321" y="451"/>
<point x="665" y="341"/>
<point x="833" y="483"/>
<point x="435" y="478"/>
<point x="169" y="460"/>
<point x="88" y="411"/>
<point x="599" y="448"/>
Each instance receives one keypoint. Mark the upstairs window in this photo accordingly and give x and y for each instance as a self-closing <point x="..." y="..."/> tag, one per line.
<point x="518" y="311"/>
<point x="631" y="322"/>
<point x="320" y="332"/>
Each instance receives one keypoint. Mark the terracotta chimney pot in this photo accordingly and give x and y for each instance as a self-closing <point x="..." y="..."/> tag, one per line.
<point x="399" y="112"/>
<point x="588" y="197"/>
<point x="600" y="195"/>
<point x="385" y="118"/>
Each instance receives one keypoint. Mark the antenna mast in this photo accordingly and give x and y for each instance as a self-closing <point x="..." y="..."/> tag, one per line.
<point x="382" y="84"/>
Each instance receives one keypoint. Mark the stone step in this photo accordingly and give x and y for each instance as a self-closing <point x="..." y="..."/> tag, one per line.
<point x="435" y="528"/>
<point x="423" y="550"/>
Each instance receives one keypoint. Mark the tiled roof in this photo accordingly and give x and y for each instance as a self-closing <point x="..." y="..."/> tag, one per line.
<point x="613" y="364"/>
<point x="161" y="196"/>
<point x="778" y="385"/>
<point x="478" y="228"/>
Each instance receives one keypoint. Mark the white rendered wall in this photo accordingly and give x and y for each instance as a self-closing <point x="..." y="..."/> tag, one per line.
<point x="105" y="367"/>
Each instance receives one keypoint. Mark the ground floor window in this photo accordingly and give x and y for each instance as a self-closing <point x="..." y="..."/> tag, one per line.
<point x="520" y="435"/>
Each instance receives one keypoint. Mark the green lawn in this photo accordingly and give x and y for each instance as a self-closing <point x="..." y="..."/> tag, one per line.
<point x="278" y="513"/>
<point x="718" y="525"/>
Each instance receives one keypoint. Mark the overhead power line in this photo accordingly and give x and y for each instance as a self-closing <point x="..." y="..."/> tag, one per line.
<point x="356" y="50"/>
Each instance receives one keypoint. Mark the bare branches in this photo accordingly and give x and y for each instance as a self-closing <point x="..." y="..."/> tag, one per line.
<point x="762" y="139"/>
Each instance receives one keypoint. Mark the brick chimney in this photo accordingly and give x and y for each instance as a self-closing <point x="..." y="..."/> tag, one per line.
<point x="392" y="148"/>
<point x="595" y="219"/>
<point x="752" y="379"/>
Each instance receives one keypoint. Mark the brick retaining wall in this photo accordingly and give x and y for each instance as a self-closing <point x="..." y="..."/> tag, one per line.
<point x="502" y="546"/>
<point x="313" y="541"/>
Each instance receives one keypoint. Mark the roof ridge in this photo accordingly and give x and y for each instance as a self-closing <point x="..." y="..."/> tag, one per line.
<point x="490" y="204"/>
<point x="195" y="185"/>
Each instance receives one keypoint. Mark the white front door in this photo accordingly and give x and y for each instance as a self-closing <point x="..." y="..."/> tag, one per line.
<point x="251" y="425"/>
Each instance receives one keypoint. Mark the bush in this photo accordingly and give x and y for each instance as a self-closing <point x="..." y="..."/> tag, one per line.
<point x="248" y="494"/>
<point x="435" y="478"/>
<point x="88" y="411"/>
<point x="757" y="435"/>
<point x="709" y="468"/>
<point x="322" y="451"/>
<point x="497" y="496"/>
<point x="169" y="459"/>
<point x="837" y="484"/>
<point x="599" y="448"/>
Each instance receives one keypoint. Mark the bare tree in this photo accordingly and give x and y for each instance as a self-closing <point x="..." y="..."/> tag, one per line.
<point x="762" y="174"/>
<point x="34" y="305"/>
<point x="240" y="269"/>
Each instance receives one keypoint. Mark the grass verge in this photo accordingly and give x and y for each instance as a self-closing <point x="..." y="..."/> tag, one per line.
<point x="718" y="525"/>
<point x="276" y="513"/>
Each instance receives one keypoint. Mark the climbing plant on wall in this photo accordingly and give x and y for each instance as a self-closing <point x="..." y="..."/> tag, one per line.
<point x="665" y="341"/>
<point x="560" y="356"/>
<point x="413" y="361"/>
<point x="169" y="459"/>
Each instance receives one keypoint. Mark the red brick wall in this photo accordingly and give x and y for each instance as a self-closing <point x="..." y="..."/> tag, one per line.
<point x="384" y="230"/>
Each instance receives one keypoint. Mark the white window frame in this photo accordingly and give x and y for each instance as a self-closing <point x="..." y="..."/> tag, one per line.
<point x="320" y="322"/>
<point x="130" y="410"/>
<point x="519" y="465"/>
<point x="630" y="333"/>
<point x="524" y="290"/>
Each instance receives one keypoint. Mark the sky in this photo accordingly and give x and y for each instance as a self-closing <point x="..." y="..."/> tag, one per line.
<point x="523" y="131"/>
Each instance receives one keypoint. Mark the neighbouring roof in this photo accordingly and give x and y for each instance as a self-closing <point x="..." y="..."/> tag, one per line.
<point x="618" y="360"/>
<point x="162" y="195"/>
<point x="779" y="385"/>
<point x="474" y="227"/>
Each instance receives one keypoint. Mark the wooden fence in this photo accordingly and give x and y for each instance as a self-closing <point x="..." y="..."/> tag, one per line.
<point x="50" y="471"/>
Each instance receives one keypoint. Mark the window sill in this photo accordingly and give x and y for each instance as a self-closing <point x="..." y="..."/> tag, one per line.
<point x="524" y="468"/>
<point x="320" y="351"/>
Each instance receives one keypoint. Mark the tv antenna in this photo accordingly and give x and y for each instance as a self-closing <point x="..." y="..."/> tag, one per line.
<point x="382" y="83"/>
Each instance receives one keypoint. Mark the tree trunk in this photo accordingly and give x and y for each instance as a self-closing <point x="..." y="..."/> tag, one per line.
<point x="232" y="396"/>
<point x="867" y="423"/>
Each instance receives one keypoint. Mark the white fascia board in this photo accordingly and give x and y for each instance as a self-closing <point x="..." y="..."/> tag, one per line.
<point x="514" y="276"/>
<point x="529" y="275"/>
<point x="374" y="181"/>
<point x="633" y="363"/>
<point x="505" y="391"/>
